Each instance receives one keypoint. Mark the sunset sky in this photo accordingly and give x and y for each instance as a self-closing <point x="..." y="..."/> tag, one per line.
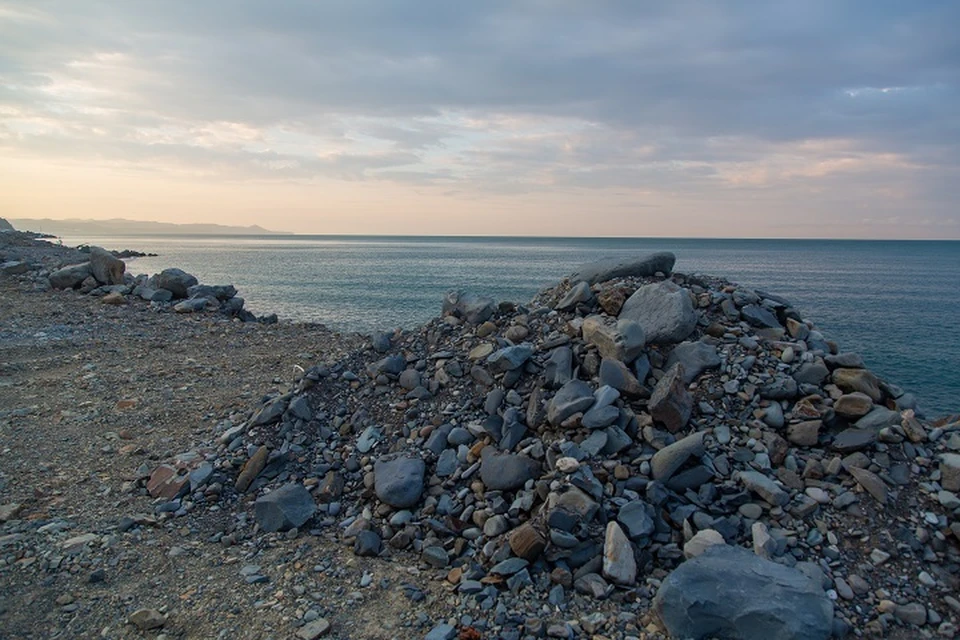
<point x="806" y="118"/>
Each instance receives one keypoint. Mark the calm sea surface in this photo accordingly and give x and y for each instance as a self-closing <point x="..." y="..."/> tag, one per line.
<point x="896" y="303"/>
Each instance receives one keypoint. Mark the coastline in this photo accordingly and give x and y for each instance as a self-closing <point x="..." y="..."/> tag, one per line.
<point x="331" y="420"/>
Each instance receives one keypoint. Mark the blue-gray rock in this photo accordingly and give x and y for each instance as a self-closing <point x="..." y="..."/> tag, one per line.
<point x="878" y="418"/>
<point x="758" y="316"/>
<point x="513" y="429"/>
<point x="288" y="507"/>
<point x="781" y="388"/>
<point x="696" y="357"/>
<point x="509" y="358"/>
<point x="671" y="404"/>
<point x="850" y="440"/>
<point x="151" y="294"/>
<point x="811" y="373"/>
<point x="729" y="592"/>
<point x="221" y="292"/>
<point x="664" y="310"/>
<point x="398" y="480"/>
<point x="300" y="408"/>
<point x="578" y="293"/>
<point x="367" y="544"/>
<point x="471" y="307"/>
<point x="668" y="460"/>
<point x="849" y="360"/>
<point x="610" y="268"/>
<point x="409" y="379"/>
<point x="442" y="631"/>
<point x="191" y="306"/>
<point x="573" y="397"/>
<point x="558" y="370"/>
<point x="270" y="412"/>
<point x="391" y="365"/>
<point x="617" y="441"/>
<point x="637" y="519"/>
<point x="600" y="417"/>
<point x="617" y="375"/>
<point x="594" y="443"/>
<point x="381" y="341"/>
<point x="764" y="487"/>
<point x="506" y="471"/>
<point x="368" y="439"/>
<point x="176" y="281"/>
<point x="447" y="463"/>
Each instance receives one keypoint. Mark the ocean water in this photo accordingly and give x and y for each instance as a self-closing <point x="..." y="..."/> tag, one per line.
<point x="895" y="302"/>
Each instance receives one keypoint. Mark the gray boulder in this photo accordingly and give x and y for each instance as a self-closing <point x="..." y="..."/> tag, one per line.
<point x="506" y="471"/>
<point x="288" y="507"/>
<point x="70" y="277"/>
<point x="610" y="268"/>
<point x="176" y="281"/>
<point x="620" y="340"/>
<point x="471" y="307"/>
<point x="220" y="292"/>
<point x="398" y="480"/>
<point x="664" y="310"/>
<point x="729" y="592"/>
<point x="696" y="357"/>
<point x="106" y="267"/>
<point x="580" y="292"/>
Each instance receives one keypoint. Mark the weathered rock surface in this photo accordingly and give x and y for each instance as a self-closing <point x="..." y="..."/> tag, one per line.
<point x="664" y="310"/>
<point x="288" y="507"/>
<point x="611" y="268"/>
<point x="398" y="480"/>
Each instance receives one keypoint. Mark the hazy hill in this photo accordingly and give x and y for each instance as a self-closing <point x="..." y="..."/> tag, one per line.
<point x="122" y="227"/>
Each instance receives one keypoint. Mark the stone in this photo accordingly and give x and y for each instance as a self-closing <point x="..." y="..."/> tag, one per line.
<point x="617" y="375"/>
<point x="664" y="310"/>
<point x="950" y="471"/>
<point x="671" y="404"/>
<point x="729" y="592"/>
<point x="760" y="317"/>
<point x="844" y="361"/>
<point x="442" y="631"/>
<point x="871" y="482"/>
<point x="470" y="307"/>
<point x="169" y="481"/>
<point x="619" y="564"/>
<point x="70" y="277"/>
<point x="509" y="358"/>
<point x="175" y="281"/>
<point x="574" y="397"/>
<point x="811" y="373"/>
<point x="696" y="357"/>
<point x="702" y="541"/>
<point x="527" y="543"/>
<point x="591" y="584"/>
<point x="105" y="267"/>
<point x="763" y="543"/>
<point x="611" y="299"/>
<point x="409" y="379"/>
<point x="313" y="629"/>
<point x="147" y="619"/>
<point x="913" y="613"/>
<point x="599" y="417"/>
<point x="191" y="306"/>
<point x="804" y="434"/>
<point x="252" y="468"/>
<point x="850" y="440"/>
<point x="10" y="511"/>
<point x="637" y="518"/>
<point x="578" y="293"/>
<point x="506" y="471"/>
<point x="288" y="507"/>
<point x="619" y="340"/>
<point x="668" y="460"/>
<point x="558" y="369"/>
<point x="764" y="487"/>
<point x="398" y="480"/>
<point x="878" y="418"/>
<point x="610" y="268"/>
<point x="367" y="544"/>
<point x="853" y="405"/>
<point x="854" y="380"/>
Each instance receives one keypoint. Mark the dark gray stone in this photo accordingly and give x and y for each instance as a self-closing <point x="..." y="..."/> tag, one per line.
<point x="70" y="277"/>
<point x="506" y="471"/>
<point x="610" y="268"/>
<point x="558" y="370"/>
<point x="850" y="440"/>
<point x="106" y="267"/>
<point x="176" y="281"/>
<point x="696" y="357"/>
<point x="578" y="293"/>
<point x="637" y="519"/>
<point x="758" y="316"/>
<point x="573" y="397"/>
<point x="668" y="460"/>
<point x="811" y="373"/>
<point x="729" y="592"/>
<point x="288" y="507"/>
<point x="671" y="404"/>
<point x="510" y="358"/>
<point x="398" y="480"/>
<point x="471" y="307"/>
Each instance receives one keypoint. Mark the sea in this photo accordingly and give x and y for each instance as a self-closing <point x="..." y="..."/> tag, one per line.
<point x="897" y="303"/>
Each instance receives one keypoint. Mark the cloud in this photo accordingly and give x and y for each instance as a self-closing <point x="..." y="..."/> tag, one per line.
<point x="817" y="99"/>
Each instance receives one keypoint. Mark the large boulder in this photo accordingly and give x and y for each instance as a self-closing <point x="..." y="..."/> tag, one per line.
<point x="610" y="268"/>
<point x="70" y="277"/>
<point x="729" y="592"/>
<point x="176" y="281"/>
<point x="285" y="508"/>
<point x="471" y="307"/>
<point x="398" y="480"/>
<point x="106" y="267"/>
<point x="664" y="310"/>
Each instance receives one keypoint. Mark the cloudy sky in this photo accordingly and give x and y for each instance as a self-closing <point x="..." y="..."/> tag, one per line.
<point x="807" y="118"/>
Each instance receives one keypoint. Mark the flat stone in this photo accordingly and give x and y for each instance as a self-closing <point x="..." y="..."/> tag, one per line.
<point x="878" y="418"/>
<point x="442" y="631"/>
<point x="558" y="369"/>
<point x="696" y="357"/>
<point x="509" y="358"/>
<point x="871" y="482"/>
<point x="617" y="375"/>
<point x="288" y="507"/>
<point x="146" y="619"/>
<point x="758" y="316"/>
<point x="573" y="397"/>
<point x="671" y="404"/>
<point x="664" y="310"/>
<point x="850" y="440"/>
<point x="506" y="471"/>
<point x="764" y="487"/>
<point x="729" y="592"/>
<point x="600" y="417"/>
<point x="811" y="373"/>
<point x="313" y="629"/>
<point x="619" y="564"/>
<point x="610" y="268"/>
<point x="637" y="518"/>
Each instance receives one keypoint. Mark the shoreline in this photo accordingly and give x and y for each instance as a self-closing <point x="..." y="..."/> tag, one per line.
<point x="519" y="420"/>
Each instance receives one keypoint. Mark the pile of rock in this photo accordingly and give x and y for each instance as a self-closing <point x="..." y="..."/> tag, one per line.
<point x="617" y="439"/>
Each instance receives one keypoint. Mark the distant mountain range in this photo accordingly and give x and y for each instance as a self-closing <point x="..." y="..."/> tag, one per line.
<point x="123" y="227"/>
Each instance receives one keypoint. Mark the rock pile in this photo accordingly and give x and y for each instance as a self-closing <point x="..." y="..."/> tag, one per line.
<point x="622" y="435"/>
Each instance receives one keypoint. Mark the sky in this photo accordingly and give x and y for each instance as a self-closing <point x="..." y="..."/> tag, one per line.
<point x="807" y="118"/>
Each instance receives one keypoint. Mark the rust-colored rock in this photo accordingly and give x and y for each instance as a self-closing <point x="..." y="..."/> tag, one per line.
<point x="168" y="481"/>
<point x="527" y="543"/>
<point x="611" y="299"/>
<point x="671" y="404"/>
<point x="252" y="469"/>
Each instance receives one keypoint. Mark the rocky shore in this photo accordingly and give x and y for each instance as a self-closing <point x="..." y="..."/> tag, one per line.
<point x="635" y="453"/>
